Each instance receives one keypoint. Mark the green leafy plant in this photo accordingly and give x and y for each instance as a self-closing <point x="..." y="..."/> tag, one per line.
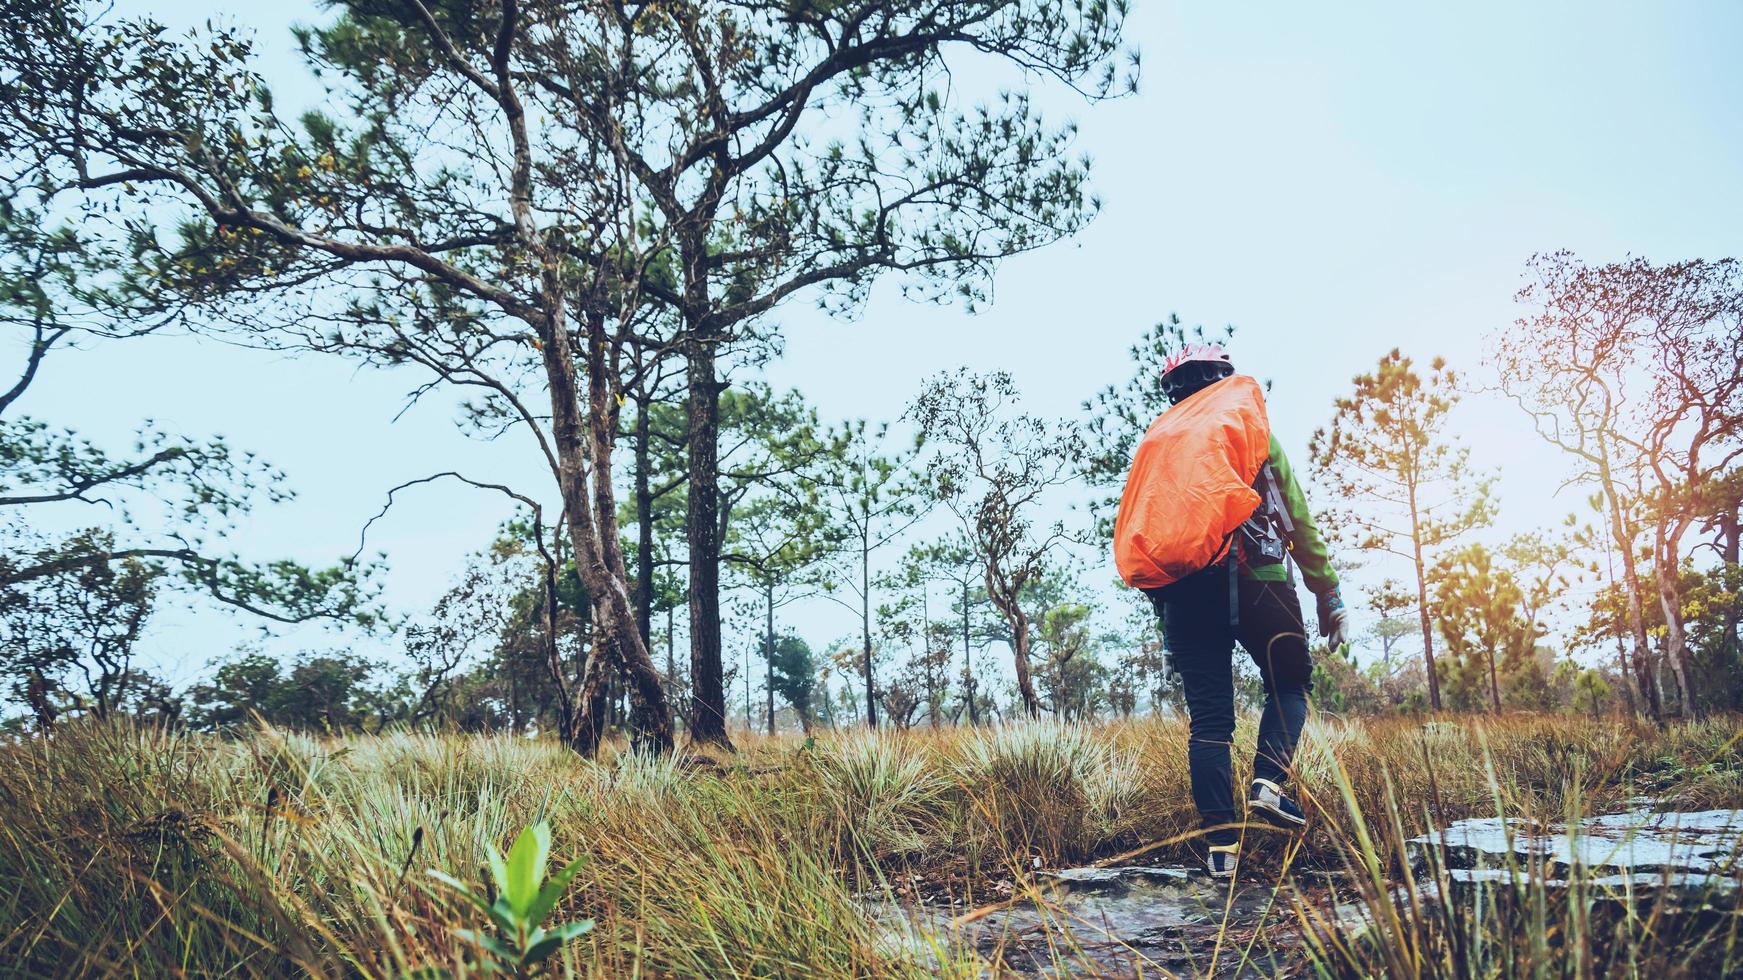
<point x="523" y="899"/>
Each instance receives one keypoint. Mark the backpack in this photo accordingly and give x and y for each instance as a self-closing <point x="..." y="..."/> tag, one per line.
<point x="1191" y="485"/>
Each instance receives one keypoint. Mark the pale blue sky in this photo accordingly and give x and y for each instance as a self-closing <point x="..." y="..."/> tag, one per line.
<point x="1334" y="179"/>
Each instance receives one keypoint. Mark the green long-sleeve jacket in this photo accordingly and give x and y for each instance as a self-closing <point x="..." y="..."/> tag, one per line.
<point x="1306" y="545"/>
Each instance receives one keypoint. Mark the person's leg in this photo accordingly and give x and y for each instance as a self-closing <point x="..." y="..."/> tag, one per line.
<point x="1196" y="632"/>
<point x="1273" y="634"/>
<point x="1208" y="683"/>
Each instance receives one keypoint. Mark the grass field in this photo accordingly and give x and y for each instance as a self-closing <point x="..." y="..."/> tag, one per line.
<point x="126" y="851"/>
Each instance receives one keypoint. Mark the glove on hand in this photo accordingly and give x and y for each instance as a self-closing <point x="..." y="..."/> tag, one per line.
<point x="1334" y="619"/>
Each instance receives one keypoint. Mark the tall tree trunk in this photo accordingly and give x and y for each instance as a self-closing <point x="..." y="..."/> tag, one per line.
<point x="591" y="701"/>
<point x="1730" y="535"/>
<point x="644" y="525"/>
<point x="1422" y="603"/>
<point x="1730" y="551"/>
<point x="635" y="664"/>
<point x="671" y="667"/>
<point x="1494" y="688"/>
<point x="769" y="651"/>
<point x="967" y="661"/>
<point x="36" y="695"/>
<point x="671" y="657"/>
<point x="1630" y="680"/>
<point x="553" y="655"/>
<point x="1025" y="685"/>
<point x="1668" y="542"/>
<point x="567" y="431"/>
<point x="1676" y="649"/>
<point x="707" y="690"/>
<point x="871" y="700"/>
<point x="1643" y="660"/>
<point x="934" y="683"/>
<point x="584" y="445"/>
<point x="1007" y="604"/>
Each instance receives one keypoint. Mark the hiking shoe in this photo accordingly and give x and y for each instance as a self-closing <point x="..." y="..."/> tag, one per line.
<point x="1222" y="860"/>
<point x="1267" y="800"/>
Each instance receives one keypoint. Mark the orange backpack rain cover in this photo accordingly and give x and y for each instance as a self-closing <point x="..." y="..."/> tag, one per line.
<point x="1191" y="483"/>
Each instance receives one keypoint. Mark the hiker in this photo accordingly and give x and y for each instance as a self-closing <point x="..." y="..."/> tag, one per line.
<point x="1209" y="523"/>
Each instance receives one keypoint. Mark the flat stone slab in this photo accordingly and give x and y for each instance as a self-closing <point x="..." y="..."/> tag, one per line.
<point x="1643" y="882"/>
<point x="1123" y="878"/>
<point x="1618" y="851"/>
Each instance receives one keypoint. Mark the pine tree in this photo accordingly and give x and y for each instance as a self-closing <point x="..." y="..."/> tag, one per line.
<point x="1406" y="485"/>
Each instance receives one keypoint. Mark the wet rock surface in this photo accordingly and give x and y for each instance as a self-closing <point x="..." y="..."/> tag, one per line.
<point x="1150" y="921"/>
<point x="1126" y="921"/>
<point x="1690" y="857"/>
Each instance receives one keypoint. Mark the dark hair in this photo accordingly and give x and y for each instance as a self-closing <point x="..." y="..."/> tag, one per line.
<point x="1193" y="376"/>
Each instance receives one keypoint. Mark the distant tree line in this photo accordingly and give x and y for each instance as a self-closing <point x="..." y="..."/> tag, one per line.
<point x="545" y="205"/>
<point x="578" y="223"/>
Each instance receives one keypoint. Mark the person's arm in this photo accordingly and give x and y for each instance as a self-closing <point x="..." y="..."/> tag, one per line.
<point x="1306" y="545"/>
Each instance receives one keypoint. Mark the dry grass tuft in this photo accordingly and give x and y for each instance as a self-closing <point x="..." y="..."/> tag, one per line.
<point x="131" y="850"/>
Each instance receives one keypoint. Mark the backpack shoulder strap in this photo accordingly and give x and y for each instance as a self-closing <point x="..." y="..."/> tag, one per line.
<point x="1273" y="496"/>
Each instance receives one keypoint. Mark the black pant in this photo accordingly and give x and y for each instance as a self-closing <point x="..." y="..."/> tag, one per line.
<point x="1196" y="631"/>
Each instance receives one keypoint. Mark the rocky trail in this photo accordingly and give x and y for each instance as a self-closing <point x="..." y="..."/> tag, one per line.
<point x="1145" y="920"/>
